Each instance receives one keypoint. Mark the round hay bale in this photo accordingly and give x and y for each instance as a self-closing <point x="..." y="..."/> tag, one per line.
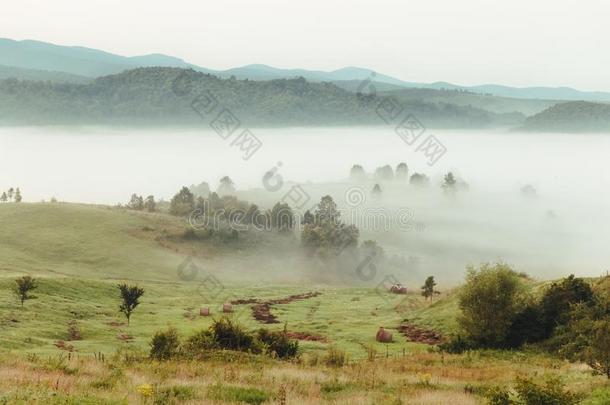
<point x="227" y="308"/>
<point x="204" y="312"/>
<point x="383" y="336"/>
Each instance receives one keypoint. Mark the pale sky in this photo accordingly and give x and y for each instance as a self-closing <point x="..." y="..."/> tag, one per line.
<point x="512" y="42"/>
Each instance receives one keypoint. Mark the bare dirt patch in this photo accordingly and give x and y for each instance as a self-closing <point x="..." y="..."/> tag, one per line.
<point x="420" y="335"/>
<point x="261" y="309"/>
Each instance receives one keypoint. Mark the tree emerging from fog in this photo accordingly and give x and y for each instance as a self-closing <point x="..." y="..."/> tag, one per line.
<point x="327" y="236"/>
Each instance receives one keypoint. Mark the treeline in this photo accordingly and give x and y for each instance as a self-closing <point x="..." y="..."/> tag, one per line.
<point x="574" y="116"/>
<point x="568" y="318"/>
<point x="383" y="174"/>
<point x="151" y="96"/>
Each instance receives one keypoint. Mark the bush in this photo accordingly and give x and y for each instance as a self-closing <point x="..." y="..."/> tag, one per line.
<point x="552" y="392"/>
<point x="335" y="357"/>
<point x="278" y="343"/>
<point x="497" y="396"/>
<point x="228" y="335"/>
<point x="527" y="327"/>
<point x="164" y="345"/>
<point x="199" y="343"/>
<point x="489" y="302"/>
<point x="558" y="299"/>
<point x="458" y="344"/>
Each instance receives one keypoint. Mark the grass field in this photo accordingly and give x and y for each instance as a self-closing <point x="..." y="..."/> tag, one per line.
<point x="79" y="253"/>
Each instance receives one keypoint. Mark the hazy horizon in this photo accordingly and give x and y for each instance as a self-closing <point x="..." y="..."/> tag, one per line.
<point x="518" y="44"/>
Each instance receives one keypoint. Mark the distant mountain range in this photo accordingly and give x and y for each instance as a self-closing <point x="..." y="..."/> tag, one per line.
<point x="28" y="60"/>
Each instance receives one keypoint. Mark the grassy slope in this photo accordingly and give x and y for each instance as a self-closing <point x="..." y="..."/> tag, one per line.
<point x="79" y="240"/>
<point x="67" y="247"/>
<point x="80" y="252"/>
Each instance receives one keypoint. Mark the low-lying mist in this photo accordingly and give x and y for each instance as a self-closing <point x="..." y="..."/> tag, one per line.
<point x="555" y="226"/>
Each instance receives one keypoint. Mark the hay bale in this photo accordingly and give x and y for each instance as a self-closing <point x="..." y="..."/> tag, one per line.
<point x="204" y="312"/>
<point x="227" y="308"/>
<point x="398" y="289"/>
<point x="383" y="336"/>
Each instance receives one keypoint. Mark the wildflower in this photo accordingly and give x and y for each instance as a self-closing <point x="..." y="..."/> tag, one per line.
<point x="146" y="390"/>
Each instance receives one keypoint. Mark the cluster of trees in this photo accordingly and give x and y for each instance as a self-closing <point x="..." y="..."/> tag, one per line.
<point x="569" y="318"/>
<point x="216" y="210"/>
<point x="324" y="233"/>
<point x="223" y="334"/>
<point x="138" y="203"/>
<point x="11" y="195"/>
<point x="382" y="173"/>
<point x="450" y="183"/>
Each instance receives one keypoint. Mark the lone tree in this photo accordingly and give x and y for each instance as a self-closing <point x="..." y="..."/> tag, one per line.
<point x="376" y="190"/>
<point x="226" y="186"/>
<point x="136" y="202"/>
<point x="182" y="203"/>
<point x="449" y="183"/>
<point x="22" y="288"/>
<point x="149" y="204"/>
<point x="402" y="171"/>
<point x="419" y="179"/>
<point x="18" y="197"/>
<point x="357" y="173"/>
<point x="130" y="296"/>
<point x="427" y="290"/>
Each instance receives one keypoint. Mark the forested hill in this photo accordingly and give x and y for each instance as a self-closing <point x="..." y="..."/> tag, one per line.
<point x="159" y="95"/>
<point x="574" y="116"/>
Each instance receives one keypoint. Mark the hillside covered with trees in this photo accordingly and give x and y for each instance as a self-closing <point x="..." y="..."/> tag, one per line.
<point x="164" y="96"/>
<point x="575" y="116"/>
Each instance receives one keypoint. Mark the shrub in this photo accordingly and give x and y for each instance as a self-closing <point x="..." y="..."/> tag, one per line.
<point x="335" y="357"/>
<point x="497" y="396"/>
<point x="526" y="327"/>
<point x="228" y="335"/>
<point x="458" y="344"/>
<point x="558" y="299"/>
<point x="199" y="343"/>
<point x="164" y="345"/>
<point x="229" y="393"/>
<point x="173" y="394"/>
<point x="586" y="337"/>
<point x="552" y="392"/>
<point x="278" y="343"/>
<point x="489" y="302"/>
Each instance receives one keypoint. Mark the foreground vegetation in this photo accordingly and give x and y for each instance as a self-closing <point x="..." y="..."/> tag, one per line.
<point x="416" y="378"/>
